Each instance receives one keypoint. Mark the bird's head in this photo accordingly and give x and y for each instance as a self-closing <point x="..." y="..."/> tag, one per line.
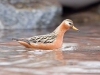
<point x="69" y="23"/>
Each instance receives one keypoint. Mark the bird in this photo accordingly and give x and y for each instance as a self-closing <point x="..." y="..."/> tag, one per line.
<point x="51" y="41"/>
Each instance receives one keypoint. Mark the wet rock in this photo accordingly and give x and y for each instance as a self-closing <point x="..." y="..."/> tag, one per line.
<point x="77" y="3"/>
<point x="29" y="14"/>
<point x="98" y="10"/>
<point x="85" y="17"/>
<point x="88" y="15"/>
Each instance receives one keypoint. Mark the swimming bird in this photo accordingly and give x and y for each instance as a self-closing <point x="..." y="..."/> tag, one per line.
<point x="53" y="40"/>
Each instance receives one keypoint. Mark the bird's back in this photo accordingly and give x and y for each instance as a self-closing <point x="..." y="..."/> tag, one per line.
<point x="48" y="38"/>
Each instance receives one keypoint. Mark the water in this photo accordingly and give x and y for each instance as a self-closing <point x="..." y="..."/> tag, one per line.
<point x="79" y="55"/>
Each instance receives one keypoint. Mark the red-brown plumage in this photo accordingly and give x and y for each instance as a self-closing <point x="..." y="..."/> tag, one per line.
<point x="57" y="43"/>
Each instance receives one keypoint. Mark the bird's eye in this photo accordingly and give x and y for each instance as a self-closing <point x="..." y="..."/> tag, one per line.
<point x="69" y="23"/>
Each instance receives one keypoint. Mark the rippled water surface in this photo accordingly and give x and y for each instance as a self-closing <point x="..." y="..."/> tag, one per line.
<point x="79" y="55"/>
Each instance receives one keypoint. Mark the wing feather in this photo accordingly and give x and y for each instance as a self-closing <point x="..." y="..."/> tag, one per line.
<point x="49" y="38"/>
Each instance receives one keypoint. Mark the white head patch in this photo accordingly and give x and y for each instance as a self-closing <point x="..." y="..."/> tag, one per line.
<point x="67" y="22"/>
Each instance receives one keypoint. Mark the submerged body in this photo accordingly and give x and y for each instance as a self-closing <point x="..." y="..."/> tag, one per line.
<point x="50" y="41"/>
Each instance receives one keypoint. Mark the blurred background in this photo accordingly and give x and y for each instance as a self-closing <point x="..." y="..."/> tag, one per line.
<point x="33" y="14"/>
<point x="80" y="53"/>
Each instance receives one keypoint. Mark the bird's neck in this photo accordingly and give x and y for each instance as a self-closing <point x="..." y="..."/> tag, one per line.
<point x="61" y="29"/>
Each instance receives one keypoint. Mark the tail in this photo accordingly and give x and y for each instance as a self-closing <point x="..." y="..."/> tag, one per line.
<point x="21" y="39"/>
